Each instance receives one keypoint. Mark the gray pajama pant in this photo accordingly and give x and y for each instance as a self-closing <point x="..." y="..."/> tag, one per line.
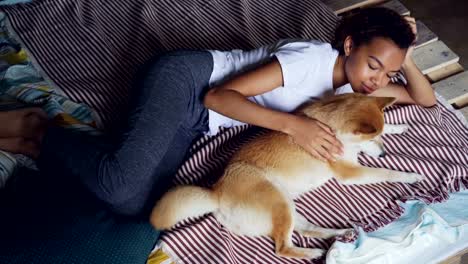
<point x="167" y="115"/>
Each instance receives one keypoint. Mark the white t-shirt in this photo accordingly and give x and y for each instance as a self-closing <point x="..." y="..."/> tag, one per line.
<point x="307" y="68"/>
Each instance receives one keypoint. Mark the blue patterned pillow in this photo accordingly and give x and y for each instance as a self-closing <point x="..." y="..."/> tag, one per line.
<point x="12" y="2"/>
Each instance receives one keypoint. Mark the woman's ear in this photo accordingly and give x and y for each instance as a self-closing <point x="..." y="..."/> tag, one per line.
<point x="348" y="45"/>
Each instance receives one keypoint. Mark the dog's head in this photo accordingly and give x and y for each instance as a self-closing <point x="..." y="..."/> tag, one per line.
<point x="359" y="117"/>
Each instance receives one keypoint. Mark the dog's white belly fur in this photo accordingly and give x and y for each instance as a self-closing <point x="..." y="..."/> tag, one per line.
<point x="243" y="220"/>
<point x="301" y="181"/>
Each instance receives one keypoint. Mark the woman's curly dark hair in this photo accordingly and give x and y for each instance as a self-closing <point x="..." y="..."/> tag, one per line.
<point x="370" y="23"/>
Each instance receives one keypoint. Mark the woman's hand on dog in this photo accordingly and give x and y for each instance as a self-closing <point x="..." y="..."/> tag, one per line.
<point x="21" y="131"/>
<point x="316" y="138"/>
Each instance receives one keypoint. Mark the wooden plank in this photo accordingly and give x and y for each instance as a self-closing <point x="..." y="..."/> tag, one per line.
<point x="434" y="56"/>
<point x="342" y="6"/>
<point x="460" y="256"/>
<point x="445" y="72"/>
<point x="425" y="35"/>
<point x="454" y="89"/>
<point x="395" y="5"/>
<point x="452" y="260"/>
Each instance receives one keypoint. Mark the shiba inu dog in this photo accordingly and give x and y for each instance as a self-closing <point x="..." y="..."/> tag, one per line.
<point x="255" y="194"/>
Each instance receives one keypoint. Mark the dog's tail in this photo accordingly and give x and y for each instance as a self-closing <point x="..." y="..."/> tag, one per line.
<point x="180" y="203"/>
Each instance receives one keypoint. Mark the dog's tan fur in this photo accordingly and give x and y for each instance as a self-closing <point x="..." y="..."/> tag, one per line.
<point x="255" y="195"/>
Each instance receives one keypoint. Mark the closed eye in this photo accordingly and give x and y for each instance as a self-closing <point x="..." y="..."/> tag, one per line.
<point x="372" y="67"/>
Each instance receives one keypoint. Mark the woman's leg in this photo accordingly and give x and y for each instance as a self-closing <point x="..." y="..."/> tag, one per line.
<point x="167" y="115"/>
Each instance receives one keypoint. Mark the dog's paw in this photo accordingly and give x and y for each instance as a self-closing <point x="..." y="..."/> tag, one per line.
<point x="313" y="253"/>
<point x="349" y="234"/>
<point x="344" y="232"/>
<point x="407" y="177"/>
<point x="346" y="235"/>
<point x="395" y="129"/>
<point x="413" y="177"/>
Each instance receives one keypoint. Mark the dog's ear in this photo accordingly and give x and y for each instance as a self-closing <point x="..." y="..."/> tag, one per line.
<point x="383" y="102"/>
<point x="364" y="128"/>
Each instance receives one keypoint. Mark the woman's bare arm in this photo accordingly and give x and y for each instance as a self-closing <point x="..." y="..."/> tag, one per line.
<point x="230" y="99"/>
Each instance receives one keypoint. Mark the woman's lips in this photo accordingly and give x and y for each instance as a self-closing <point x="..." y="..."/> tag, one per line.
<point x="367" y="89"/>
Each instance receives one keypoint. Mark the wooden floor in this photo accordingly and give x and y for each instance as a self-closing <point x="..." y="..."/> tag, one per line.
<point x="436" y="60"/>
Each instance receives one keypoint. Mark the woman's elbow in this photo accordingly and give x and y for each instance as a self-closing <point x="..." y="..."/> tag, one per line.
<point x="429" y="101"/>
<point x="210" y="98"/>
<point x="216" y="97"/>
<point x="429" y="104"/>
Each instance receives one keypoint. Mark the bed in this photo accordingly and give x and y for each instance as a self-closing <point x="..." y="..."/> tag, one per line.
<point x="89" y="50"/>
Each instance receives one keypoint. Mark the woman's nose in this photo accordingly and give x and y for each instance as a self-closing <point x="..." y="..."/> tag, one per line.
<point x="380" y="79"/>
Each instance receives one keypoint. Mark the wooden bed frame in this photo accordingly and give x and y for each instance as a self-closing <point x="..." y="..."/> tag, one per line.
<point x="436" y="60"/>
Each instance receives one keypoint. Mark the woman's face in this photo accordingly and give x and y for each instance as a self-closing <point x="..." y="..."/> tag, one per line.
<point x="370" y="66"/>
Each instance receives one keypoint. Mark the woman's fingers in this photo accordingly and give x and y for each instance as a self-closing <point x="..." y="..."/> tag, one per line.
<point x="330" y="136"/>
<point x="30" y="123"/>
<point x="321" y="150"/>
<point x="410" y="20"/>
<point x="333" y="144"/>
<point x="23" y="131"/>
<point x="317" y="155"/>
<point x="412" y="23"/>
<point x="318" y="139"/>
<point x="26" y="122"/>
<point x="324" y="153"/>
<point x="34" y="127"/>
<point x="19" y="145"/>
<point x="36" y="111"/>
<point x="331" y="149"/>
<point x="325" y="128"/>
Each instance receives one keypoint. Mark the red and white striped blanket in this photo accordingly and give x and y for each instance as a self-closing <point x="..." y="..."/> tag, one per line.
<point x="435" y="146"/>
<point x="91" y="49"/>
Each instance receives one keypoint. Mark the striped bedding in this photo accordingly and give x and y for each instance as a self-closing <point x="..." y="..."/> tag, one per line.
<point x="90" y="49"/>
